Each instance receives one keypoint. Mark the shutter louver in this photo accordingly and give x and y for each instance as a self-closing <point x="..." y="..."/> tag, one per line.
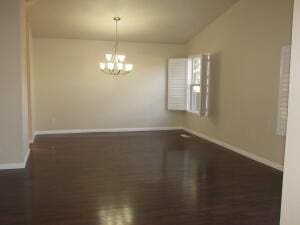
<point x="284" y="91"/>
<point x="177" y="76"/>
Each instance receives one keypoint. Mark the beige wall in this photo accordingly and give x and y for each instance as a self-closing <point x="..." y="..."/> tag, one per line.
<point x="72" y="93"/>
<point x="13" y="119"/>
<point x="24" y="78"/>
<point x="246" y="42"/>
<point x="291" y="180"/>
<point x="30" y="84"/>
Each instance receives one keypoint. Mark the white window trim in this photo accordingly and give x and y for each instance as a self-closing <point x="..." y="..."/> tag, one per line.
<point x="189" y="84"/>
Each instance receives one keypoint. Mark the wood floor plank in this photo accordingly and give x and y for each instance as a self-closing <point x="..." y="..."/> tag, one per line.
<point x="138" y="178"/>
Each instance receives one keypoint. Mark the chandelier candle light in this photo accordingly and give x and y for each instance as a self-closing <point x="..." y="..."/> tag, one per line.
<point x="114" y="64"/>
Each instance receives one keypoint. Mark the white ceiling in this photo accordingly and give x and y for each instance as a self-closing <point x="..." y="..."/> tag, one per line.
<point x="161" y="21"/>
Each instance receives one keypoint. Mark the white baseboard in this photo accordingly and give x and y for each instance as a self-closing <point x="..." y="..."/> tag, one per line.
<point x="13" y="166"/>
<point x="104" y="130"/>
<point x="237" y="150"/>
<point x="26" y="158"/>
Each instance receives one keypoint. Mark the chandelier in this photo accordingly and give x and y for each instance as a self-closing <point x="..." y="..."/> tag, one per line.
<point x="114" y="64"/>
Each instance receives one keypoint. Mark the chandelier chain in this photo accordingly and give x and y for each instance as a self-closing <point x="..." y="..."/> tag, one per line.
<point x="116" y="38"/>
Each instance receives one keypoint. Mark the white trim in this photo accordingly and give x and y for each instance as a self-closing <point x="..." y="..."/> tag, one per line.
<point x="26" y="158"/>
<point x="237" y="150"/>
<point x="13" y="166"/>
<point x="33" y="137"/>
<point x="105" y="130"/>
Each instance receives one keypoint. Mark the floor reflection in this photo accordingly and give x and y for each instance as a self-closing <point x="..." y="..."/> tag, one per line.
<point x="116" y="216"/>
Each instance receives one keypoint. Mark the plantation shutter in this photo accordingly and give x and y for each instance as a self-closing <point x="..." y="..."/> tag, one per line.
<point x="284" y="90"/>
<point x="177" y="83"/>
<point x="204" y="85"/>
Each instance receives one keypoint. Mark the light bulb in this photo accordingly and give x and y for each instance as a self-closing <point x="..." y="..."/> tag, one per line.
<point x="128" y="67"/>
<point x="108" y="57"/>
<point x="102" y="66"/>
<point x="121" y="58"/>
<point x="120" y="66"/>
<point x="110" y="66"/>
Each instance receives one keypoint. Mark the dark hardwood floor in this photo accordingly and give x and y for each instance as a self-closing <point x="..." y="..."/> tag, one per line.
<point x="138" y="178"/>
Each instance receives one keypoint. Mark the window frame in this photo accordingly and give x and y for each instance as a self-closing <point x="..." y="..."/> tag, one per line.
<point x="192" y="83"/>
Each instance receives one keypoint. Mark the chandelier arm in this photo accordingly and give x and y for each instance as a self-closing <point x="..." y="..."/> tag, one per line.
<point x="120" y="72"/>
<point x="124" y="72"/>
